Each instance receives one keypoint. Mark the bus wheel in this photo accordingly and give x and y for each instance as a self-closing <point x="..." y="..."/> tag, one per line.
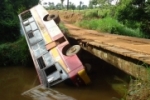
<point x="54" y="17"/>
<point x="72" y="50"/>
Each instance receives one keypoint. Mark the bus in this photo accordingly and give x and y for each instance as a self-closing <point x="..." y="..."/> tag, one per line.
<point x="55" y="60"/>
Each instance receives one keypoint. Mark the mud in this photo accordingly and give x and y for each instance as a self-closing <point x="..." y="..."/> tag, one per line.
<point x="68" y="16"/>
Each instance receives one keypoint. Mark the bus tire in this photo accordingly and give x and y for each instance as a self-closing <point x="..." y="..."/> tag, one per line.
<point x="75" y="49"/>
<point x="71" y="50"/>
<point x="54" y="17"/>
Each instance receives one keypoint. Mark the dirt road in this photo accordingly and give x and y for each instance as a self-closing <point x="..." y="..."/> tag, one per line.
<point x="136" y="48"/>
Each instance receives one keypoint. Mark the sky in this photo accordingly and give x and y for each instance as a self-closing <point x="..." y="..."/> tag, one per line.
<point x="113" y="2"/>
<point x="76" y="2"/>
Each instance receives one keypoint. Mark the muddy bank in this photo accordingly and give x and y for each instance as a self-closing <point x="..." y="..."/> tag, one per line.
<point x="68" y="16"/>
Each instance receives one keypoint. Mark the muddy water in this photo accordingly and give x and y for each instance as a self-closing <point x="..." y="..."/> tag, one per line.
<point x="108" y="82"/>
<point x="14" y="80"/>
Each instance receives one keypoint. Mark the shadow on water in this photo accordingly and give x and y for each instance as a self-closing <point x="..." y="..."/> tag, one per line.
<point x="107" y="81"/>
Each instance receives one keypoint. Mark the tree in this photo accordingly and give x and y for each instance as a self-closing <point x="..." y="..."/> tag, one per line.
<point x="62" y="1"/>
<point x="67" y="4"/>
<point x="84" y="7"/>
<point x="145" y="26"/>
<point x="90" y="5"/>
<point x="147" y="7"/>
<point x="72" y="5"/>
<point x="134" y="11"/>
<point x="94" y="2"/>
<point x="10" y="30"/>
<point x="58" y="6"/>
<point x="80" y="3"/>
<point x="51" y="5"/>
<point x="100" y="2"/>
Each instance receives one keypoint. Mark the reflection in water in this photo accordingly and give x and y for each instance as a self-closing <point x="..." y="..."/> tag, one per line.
<point x="15" y="80"/>
<point x="42" y="93"/>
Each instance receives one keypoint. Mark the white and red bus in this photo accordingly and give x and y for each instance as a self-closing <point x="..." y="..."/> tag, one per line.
<point x="54" y="59"/>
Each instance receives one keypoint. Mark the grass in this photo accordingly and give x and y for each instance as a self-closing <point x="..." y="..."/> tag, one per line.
<point x="139" y="89"/>
<point x="93" y="13"/>
<point x="110" y="25"/>
<point x="63" y="29"/>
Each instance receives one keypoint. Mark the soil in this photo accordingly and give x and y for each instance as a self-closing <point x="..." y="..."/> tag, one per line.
<point x="68" y="16"/>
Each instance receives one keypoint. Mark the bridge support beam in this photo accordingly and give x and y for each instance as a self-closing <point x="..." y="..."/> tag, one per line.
<point x="126" y="64"/>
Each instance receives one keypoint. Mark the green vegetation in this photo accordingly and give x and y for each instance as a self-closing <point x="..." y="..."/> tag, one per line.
<point x="91" y="14"/>
<point x="64" y="29"/>
<point x="139" y="87"/>
<point x="127" y="17"/>
<point x="9" y="18"/>
<point x="15" y="53"/>
<point x="133" y="15"/>
<point x="112" y="26"/>
<point x="13" y="47"/>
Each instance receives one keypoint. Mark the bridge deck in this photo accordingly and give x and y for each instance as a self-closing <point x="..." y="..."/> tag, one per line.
<point x="136" y="48"/>
<point x="126" y="53"/>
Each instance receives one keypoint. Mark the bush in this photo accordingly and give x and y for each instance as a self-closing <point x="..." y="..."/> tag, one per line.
<point x="105" y="13"/>
<point x="16" y="53"/>
<point x="63" y="28"/>
<point x="9" y="18"/>
<point x="105" y="25"/>
<point x="91" y="14"/>
<point x="132" y="24"/>
<point x="123" y="30"/>
<point x="111" y="25"/>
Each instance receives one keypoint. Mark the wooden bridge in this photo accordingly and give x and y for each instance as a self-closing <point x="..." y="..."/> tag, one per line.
<point x="130" y="54"/>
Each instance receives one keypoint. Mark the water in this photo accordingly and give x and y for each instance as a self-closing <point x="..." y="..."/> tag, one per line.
<point x="14" y="80"/>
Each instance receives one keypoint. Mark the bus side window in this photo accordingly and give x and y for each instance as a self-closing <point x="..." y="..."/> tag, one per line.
<point x="28" y="28"/>
<point x="41" y="62"/>
<point x="26" y="15"/>
<point x="30" y="35"/>
<point x="26" y="22"/>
